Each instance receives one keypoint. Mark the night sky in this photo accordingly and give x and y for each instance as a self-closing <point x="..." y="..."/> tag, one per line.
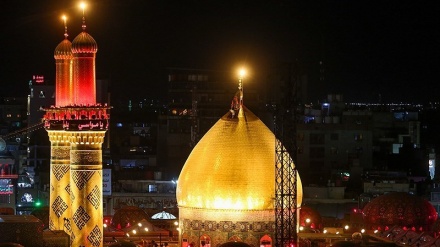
<point x="369" y="48"/>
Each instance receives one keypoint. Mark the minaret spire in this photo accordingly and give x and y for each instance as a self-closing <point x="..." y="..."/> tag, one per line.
<point x="65" y="26"/>
<point x="242" y="74"/>
<point x="237" y="101"/>
<point x="83" y="7"/>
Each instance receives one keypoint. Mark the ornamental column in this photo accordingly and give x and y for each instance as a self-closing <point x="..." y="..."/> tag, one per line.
<point x="86" y="187"/>
<point x="59" y="181"/>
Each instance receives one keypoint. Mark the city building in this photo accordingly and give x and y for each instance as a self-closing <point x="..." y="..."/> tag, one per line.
<point x="12" y="152"/>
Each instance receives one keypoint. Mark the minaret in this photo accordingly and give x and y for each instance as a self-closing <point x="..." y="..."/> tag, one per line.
<point x="82" y="124"/>
<point x="84" y="50"/>
<point x="60" y="145"/>
<point x="63" y="63"/>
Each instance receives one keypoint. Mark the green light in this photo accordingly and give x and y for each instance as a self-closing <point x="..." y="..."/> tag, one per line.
<point x="37" y="204"/>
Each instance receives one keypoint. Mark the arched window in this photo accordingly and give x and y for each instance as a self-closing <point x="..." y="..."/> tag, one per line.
<point x="266" y="241"/>
<point x="205" y="241"/>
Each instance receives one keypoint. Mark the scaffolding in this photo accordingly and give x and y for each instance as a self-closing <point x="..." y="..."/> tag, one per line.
<point x="285" y="119"/>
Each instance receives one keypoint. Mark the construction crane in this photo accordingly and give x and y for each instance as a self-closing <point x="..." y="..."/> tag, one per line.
<point x="285" y="118"/>
<point x="18" y="133"/>
<point x="21" y="132"/>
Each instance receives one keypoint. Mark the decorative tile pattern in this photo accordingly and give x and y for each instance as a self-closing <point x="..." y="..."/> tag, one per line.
<point x="80" y="178"/>
<point x="196" y="225"/>
<point x="72" y="238"/>
<point x="95" y="236"/>
<point x="68" y="188"/>
<point x="60" y="152"/>
<point x="59" y="206"/>
<point x="60" y="170"/>
<point x="68" y="225"/>
<point x="81" y="217"/>
<point x="85" y="157"/>
<point x="210" y="226"/>
<point x="225" y="226"/>
<point x="241" y="226"/>
<point x="95" y="197"/>
<point x="258" y="227"/>
<point x="51" y="225"/>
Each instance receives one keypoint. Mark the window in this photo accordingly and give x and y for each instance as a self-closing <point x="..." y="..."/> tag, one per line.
<point x="334" y="136"/>
<point x="152" y="188"/>
<point x="358" y="137"/>
<point x="316" y="164"/>
<point x="317" y="152"/>
<point x="316" y="139"/>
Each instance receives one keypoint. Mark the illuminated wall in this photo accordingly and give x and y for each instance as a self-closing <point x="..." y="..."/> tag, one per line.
<point x="221" y="226"/>
<point x="63" y="76"/>
<point x="86" y="187"/>
<point x="59" y="180"/>
<point x="84" y="50"/>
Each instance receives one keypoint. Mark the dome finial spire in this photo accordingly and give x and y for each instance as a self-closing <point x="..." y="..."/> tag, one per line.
<point x="82" y="5"/>
<point x="237" y="101"/>
<point x="65" y="26"/>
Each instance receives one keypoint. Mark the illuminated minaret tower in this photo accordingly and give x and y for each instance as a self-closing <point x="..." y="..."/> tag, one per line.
<point x="82" y="123"/>
<point x="63" y="63"/>
<point x="60" y="145"/>
<point x="84" y="50"/>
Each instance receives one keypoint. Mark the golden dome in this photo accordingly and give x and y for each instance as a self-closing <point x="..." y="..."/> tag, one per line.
<point x="232" y="167"/>
<point x="84" y="43"/>
<point x="63" y="50"/>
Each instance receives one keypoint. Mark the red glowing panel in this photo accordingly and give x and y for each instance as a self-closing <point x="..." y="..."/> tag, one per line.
<point x="64" y="86"/>
<point x="84" y="88"/>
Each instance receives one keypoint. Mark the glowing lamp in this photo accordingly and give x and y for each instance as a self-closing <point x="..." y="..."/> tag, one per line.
<point x="242" y="73"/>
<point x="82" y="5"/>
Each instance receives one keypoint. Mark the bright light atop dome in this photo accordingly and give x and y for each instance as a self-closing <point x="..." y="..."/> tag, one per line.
<point x="64" y="18"/>
<point x="82" y="5"/>
<point x="242" y="73"/>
